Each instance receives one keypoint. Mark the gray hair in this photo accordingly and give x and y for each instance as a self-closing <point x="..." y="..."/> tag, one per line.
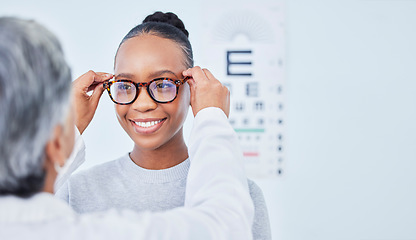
<point x="35" y="84"/>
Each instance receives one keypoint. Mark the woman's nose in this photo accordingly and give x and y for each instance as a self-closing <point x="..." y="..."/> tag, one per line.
<point x="144" y="102"/>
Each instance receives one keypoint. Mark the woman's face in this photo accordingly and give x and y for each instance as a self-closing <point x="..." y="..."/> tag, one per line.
<point x="148" y="123"/>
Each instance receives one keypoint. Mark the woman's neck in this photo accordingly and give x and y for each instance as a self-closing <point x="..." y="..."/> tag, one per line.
<point x="168" y="155"/>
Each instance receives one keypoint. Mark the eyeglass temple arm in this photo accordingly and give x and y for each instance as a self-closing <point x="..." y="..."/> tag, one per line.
<point x="185" y="79"/>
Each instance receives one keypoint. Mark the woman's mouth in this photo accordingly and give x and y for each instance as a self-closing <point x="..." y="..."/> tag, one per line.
<point x="147" y="126"/>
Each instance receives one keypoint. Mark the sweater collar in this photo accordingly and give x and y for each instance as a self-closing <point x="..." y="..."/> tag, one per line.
<point x="167" y="175"/>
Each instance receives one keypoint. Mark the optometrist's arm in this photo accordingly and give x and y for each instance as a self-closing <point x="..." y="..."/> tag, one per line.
<point x="217" y="193"/>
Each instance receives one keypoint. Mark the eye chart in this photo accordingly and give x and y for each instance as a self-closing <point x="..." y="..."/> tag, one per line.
<point x="244" y="47"/>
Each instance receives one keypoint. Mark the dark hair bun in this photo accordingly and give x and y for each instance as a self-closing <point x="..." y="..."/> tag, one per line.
<point x="169" y="18"/>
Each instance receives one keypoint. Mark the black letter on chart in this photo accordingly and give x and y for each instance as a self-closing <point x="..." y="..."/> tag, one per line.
<point x="229" y="63"/>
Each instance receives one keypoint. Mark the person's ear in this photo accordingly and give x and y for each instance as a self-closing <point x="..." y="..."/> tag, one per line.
<point x="54" y="149"/>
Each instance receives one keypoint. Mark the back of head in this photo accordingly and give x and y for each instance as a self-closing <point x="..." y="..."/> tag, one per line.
<point x="165" y="25"/>
<point x="35" y="83"/>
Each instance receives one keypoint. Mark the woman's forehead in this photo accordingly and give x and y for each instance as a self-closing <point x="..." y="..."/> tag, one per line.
<point x="148" y="54"/>
<point x="149" y="46"/>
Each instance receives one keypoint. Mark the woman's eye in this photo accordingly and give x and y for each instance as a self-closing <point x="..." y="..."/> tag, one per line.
<point x="162" y="85"/>
<point x="124" y="86"/>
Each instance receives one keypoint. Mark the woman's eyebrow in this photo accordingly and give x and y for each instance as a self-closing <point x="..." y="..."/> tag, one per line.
<point x="125" y="75"/>
<point x="161" y="72"/>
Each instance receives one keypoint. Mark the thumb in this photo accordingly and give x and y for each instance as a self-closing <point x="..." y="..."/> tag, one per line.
<point x="96" y="94"/>
<point x="85" y="80"/>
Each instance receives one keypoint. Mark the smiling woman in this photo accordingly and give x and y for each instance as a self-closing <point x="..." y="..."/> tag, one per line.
<point x="152" y="100"/>
<point x="155" y="146"/>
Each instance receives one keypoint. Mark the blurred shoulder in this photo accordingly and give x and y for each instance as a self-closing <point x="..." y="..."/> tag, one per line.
<point x="255" y="190"/>
<point x="99" y="172"/>
<point x="261" y="225"/>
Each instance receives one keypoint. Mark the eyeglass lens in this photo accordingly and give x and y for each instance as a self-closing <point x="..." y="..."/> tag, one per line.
<point x="161" y="90"/>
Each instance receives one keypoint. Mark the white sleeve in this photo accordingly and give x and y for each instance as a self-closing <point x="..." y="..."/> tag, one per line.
<point x="217" y="201"/>
<point x="73" y="162"/>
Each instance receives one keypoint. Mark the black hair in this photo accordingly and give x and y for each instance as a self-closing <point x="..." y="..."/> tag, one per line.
<point x="165" y="25"/>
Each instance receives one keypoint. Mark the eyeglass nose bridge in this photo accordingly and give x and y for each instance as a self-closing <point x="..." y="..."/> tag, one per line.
<point x="138" y="92"/>
<point x="142" y="84"/>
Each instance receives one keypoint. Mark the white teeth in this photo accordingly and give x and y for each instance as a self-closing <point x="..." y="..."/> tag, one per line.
<point x="147" y="124"/>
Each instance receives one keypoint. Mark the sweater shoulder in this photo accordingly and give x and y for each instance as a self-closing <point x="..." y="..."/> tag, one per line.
<point x="261" y="225"/>
<point x="98" y="172"/>
<point x="255" y="190"/>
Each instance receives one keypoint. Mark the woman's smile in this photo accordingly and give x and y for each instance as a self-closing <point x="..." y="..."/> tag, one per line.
<point x="147" y="125"/>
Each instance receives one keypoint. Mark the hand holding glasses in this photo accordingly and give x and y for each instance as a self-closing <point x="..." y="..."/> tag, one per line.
<point x="161" y="90"/>
<point x="206" y="90"/>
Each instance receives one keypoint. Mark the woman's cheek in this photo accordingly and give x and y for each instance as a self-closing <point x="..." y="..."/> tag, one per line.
<point x="185" y="94"/>
<point x="121" y="113"/>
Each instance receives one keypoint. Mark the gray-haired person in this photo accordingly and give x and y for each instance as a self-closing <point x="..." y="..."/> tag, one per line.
<point x="36" y="138"/>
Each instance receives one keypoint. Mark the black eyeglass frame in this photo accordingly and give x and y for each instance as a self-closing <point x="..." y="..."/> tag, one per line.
<point x="107" y="84"/>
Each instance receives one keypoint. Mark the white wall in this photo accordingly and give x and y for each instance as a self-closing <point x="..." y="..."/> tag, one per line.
<point x="351" y="107"/>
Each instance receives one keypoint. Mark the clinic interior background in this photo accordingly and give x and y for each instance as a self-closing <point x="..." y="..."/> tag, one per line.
<point x="350" y="105"/>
